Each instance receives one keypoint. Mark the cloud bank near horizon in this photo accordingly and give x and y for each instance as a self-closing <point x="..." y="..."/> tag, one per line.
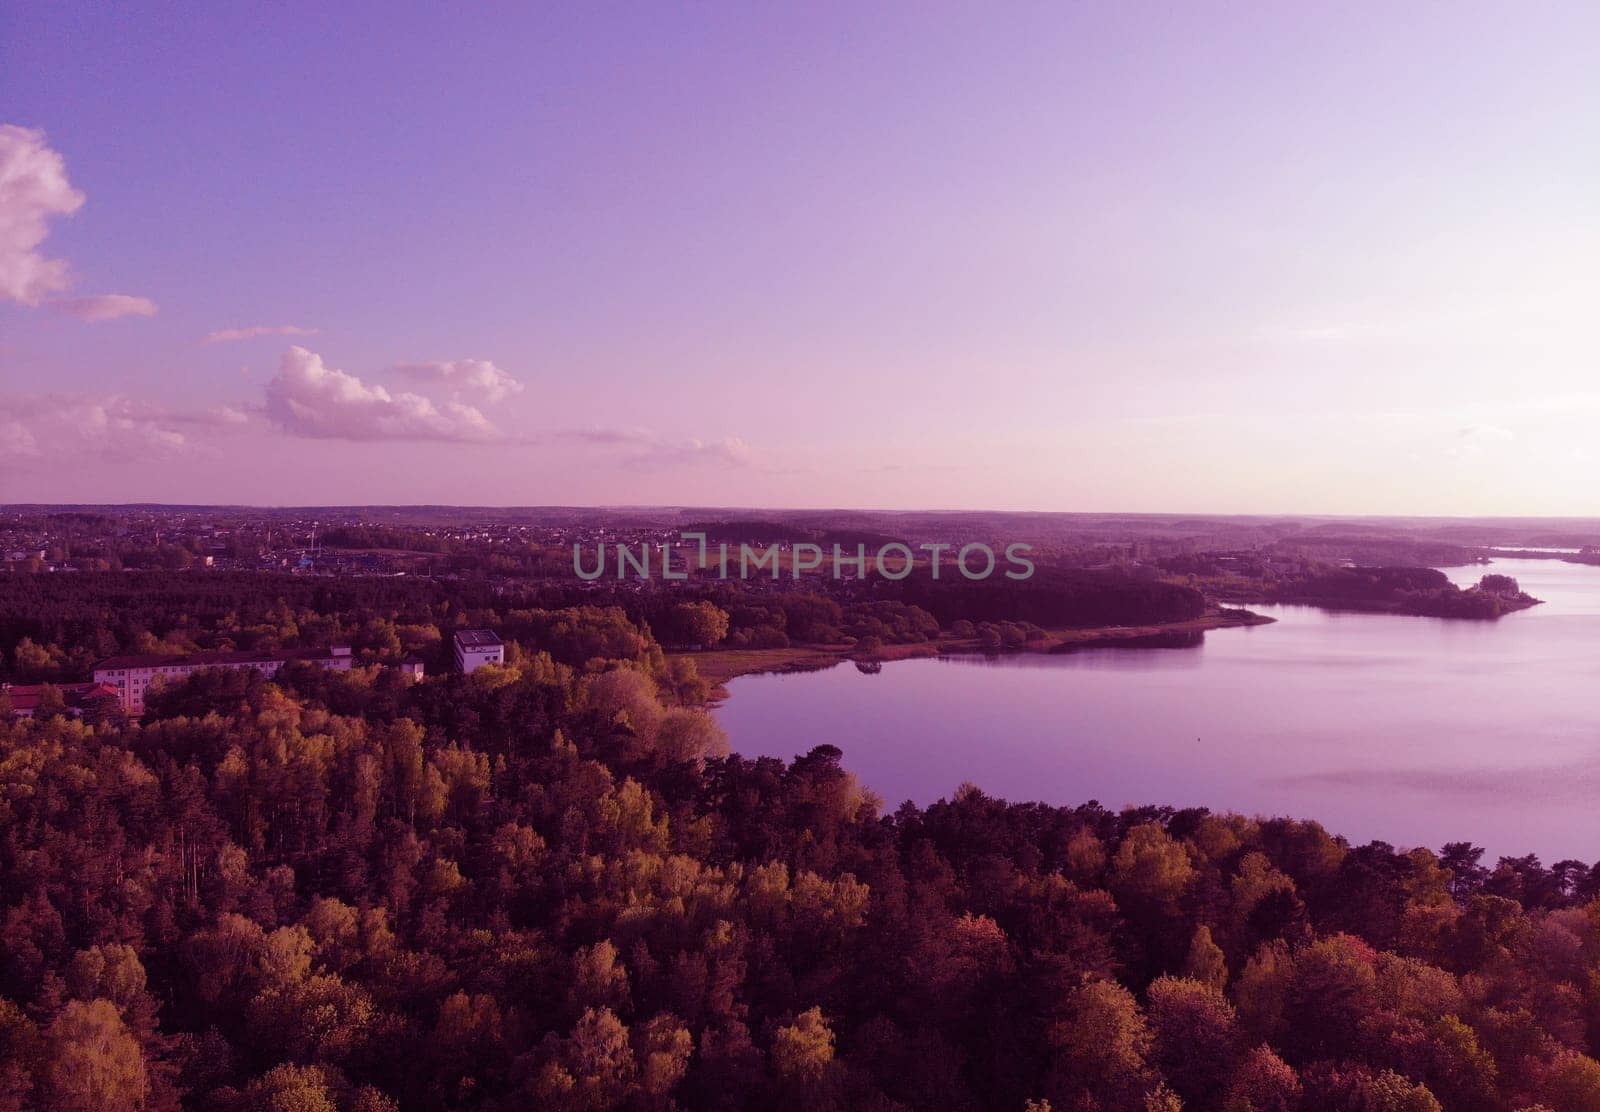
<point x="46" y="428"/>
<point x="309" y="398"/>
<point x="648" y="450"/>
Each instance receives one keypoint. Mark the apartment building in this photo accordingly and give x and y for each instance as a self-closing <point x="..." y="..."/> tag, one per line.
<point x="133" y="676"/>
<point x="477" y="647"/>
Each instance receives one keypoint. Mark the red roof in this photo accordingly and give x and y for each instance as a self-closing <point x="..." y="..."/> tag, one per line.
<point x="25" y="697"/>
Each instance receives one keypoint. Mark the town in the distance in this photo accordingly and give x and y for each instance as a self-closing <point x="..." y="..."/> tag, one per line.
<point x="1132" y="580"/>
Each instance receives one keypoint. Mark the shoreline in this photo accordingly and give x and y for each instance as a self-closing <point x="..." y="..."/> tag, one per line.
<point x="1336" y="605"/>
<point x="719" y="666"/>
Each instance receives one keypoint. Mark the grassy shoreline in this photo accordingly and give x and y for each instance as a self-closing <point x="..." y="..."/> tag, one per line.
<point x="718" y="666"/>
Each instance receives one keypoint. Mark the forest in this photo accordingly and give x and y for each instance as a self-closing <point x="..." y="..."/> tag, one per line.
<point x="548" y="885"/>
<point x="1425" y="592"/>
<point x="54" y="627"/>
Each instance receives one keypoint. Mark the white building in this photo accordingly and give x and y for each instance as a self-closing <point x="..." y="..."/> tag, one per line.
<point x="477" y="647"/>
<point x="132" y="676"/>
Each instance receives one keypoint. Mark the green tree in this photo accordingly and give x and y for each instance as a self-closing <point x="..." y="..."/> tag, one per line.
<point x="1263" y="1082"/>
<point x="1101" y="1049"/>
<point x="1572" y="1083"/>
<point x="702" y="624"/>
<point x="803" y="1050"/>
<point x="662" y="1047"/>
<point x="96" y="1065"/>
<point x="1196" y="1038"/>
<point x="291" y="1088"/>
<point x="1150" y="866"/>
<point x="1206" y="963"/>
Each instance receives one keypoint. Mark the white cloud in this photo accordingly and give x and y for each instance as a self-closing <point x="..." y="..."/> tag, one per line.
<point x="108" y="306"/>
<point x="653" y="451"/>
<point x="227" y="335"/>
<point x="730" y="451"/>
<point x="33" y="191"/>
<point x="218" y="416"/>
<point x="72" y="426"/>
<point x="478" y="376"/>
<point x="609" y="436"/>
<point x="309" y="398"/>
<point x="63" y="431"/>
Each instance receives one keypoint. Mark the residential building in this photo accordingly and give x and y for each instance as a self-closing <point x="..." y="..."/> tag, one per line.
<point x="477" y="647"/>
<point x="133" y="676"/>
<point x="25" y="698"/>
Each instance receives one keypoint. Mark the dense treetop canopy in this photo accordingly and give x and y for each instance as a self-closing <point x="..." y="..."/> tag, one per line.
<point x="548" y="885"/>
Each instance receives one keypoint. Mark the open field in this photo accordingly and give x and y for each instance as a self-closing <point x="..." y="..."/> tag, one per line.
<point x="718" y="666"/>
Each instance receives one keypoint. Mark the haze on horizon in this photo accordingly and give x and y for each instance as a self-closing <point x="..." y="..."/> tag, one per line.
<point x="1099" y="258"/>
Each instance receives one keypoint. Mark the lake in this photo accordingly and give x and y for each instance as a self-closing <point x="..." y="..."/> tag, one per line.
<point x="1416" y="731"/>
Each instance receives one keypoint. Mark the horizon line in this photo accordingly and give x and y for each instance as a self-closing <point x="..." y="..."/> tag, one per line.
<point x="687" y="507"/>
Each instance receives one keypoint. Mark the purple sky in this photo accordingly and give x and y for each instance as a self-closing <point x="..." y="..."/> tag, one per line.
<point x="1062" y="257"/>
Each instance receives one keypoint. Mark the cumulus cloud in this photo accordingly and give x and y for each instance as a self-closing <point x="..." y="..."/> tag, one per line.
<point x="476" y="376"/>
<point x="309" y="398"/>
<point x="63" y="430"/>
<point x="730" y="451"/>
<point x="218" y="416"/>
<point x="650" y="451"/>
<point x="228" y="335"/>
<point x="44" y="427"/>
<point x="34" y="190"/>
<point x="107" y="306"/>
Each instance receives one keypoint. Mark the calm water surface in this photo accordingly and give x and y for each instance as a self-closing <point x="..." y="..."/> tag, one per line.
<point x="1417" y="731"/>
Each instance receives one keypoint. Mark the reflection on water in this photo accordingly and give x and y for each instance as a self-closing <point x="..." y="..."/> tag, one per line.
<point x="1173" y="639"/>
<point x="1414" y="730"/>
